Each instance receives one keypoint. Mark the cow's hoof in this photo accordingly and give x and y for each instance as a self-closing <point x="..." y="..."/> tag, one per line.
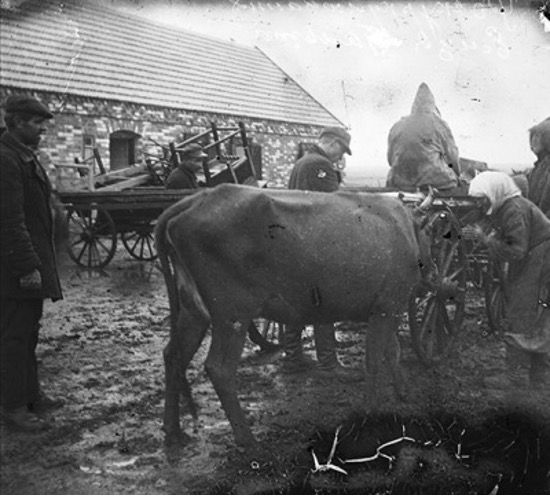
<point x="245" y="441"/>
<point x="177" y="438"/>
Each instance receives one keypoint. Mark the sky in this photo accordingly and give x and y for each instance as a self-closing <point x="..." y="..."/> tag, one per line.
<point x="487" y="63"/>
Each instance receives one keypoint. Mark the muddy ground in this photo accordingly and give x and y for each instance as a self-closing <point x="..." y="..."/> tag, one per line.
<point x="101" y="352"/>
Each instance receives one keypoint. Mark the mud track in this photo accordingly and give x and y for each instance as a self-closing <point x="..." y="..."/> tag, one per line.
<point x="101" y="351"/>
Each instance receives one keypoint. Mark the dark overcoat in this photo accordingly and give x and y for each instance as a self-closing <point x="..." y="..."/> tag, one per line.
<point x="523" y="240"/>
<point x="26" y="222"/>
<point x="314" y="172"/>
<point x="181" y="178"/>
<point x="539" y="184"/>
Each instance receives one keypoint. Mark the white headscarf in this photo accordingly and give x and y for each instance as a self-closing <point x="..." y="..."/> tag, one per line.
<point x="496" y="186"/>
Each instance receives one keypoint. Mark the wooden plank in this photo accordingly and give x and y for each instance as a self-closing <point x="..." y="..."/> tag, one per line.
<point x="117" y="174"/>
<point x="128" y="183"/>
<point x="97" y="157"/>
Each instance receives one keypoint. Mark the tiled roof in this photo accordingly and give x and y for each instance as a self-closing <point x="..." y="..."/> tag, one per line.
<point x="75" y="48"/>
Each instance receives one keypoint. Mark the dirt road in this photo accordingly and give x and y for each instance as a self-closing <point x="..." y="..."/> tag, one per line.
<point x="101" y="351"/>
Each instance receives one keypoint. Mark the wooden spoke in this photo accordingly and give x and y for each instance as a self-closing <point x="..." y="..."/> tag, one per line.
<point x="435" y="316"/>
<point x="92" y="237"/>
<point x="140" y="244"/>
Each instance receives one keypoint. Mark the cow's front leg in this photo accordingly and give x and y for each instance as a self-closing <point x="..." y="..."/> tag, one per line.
<point x="221" y="366"/>
<point x="381" y="342"/>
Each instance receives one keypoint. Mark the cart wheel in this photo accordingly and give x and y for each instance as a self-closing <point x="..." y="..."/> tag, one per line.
<point x="92" y="237"/>
<point x="140" y="243"/>
<point x="436" y="307"/>
<point x="266" y="334"/>
<point x="495" y="296"/>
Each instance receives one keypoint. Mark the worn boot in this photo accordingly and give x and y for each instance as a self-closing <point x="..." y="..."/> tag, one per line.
<point x="329" y="366"/>
<point x="294" y="360"/>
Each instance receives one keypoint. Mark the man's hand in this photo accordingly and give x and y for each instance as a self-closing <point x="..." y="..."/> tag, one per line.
<point x="31" y="281"/>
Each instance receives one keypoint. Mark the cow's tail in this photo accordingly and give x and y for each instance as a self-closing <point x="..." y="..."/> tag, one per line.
<point x="180" y="284"/>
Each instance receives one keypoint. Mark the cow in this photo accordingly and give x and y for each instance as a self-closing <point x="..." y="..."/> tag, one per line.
<point x="233" y="253"/>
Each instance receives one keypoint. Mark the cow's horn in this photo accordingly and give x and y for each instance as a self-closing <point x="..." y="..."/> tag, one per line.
<point x="426" y="203"/>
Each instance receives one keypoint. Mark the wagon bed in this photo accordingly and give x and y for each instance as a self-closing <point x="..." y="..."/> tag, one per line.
<point x="96" y="219"/>
<point x="97" y="216"/>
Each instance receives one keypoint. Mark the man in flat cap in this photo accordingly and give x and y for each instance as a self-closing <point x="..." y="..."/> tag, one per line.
<point x="184" y="176"/>
<point x="28" y="265"/>
<point x="316" y="171"/>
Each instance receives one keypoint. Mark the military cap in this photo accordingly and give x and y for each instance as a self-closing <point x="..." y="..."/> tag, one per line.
<point x="193" y="150"/>
<point x="342" y="136"/>
<point x="26" y="105"/>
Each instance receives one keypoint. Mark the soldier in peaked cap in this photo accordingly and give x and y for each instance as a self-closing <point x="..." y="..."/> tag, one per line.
<point x="316" y="171"/>
<point x="27" y="257"/>
<point x="185" y="175"/>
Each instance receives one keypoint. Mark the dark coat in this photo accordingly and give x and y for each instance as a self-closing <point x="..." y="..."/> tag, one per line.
<point x="314" y="172"/>
<point x="523" y="240"/>
<point x="181" y="178"/>
<point x="539" y="184"/>
<point x="421" y="148"/>
<point x="520" y="227"/>
<point x="26" y="222"/>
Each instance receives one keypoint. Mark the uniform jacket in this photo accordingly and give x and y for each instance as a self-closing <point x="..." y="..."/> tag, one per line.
<point x="314" y="172"/>
<point x="181" y="179"/>
<point x="421" y="148"/>
<point x="26" y="222"/>
<point x="539" y="184"/>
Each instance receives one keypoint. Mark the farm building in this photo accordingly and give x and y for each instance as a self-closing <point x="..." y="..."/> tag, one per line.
<point x="115" y="81"/>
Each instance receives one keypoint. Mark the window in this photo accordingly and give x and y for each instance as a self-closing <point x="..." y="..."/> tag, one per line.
<point x="122" y="149"/>
<point x="88" y="143"/>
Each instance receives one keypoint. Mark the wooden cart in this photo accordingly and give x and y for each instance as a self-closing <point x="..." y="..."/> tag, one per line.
<point x="437" y="306"/>
<point x="126" y="203"/>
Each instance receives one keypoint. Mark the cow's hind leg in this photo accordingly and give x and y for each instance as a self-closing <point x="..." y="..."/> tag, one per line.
<point x="182" y="346"/>
<point x="381" y="342"/>
<point x="221" y="366"/>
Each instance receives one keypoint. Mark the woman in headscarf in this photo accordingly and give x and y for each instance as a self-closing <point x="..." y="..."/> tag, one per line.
<point x="539" y="177"/>
<point x="520" y="236"/>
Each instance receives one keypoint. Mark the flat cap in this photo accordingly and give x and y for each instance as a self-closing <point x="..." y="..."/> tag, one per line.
<point x="27" y="105"/>
<point x="340" y="134"/>
<point x="193" y="150"/>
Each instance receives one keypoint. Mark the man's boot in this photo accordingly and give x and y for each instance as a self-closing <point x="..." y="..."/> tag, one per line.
<point x="294" y="360"/>
<point x="329" y="366"/>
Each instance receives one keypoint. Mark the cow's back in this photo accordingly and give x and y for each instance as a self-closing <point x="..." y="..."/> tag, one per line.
<point x="295" y="256"/>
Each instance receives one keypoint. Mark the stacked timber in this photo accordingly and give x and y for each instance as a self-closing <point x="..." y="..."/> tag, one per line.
<point x="81" y="176"/>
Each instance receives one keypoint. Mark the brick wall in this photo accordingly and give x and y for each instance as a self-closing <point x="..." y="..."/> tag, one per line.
<point x="78" y="116"/>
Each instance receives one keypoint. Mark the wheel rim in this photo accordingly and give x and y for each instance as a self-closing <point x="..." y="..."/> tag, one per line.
<point x="140" y="244"/>
<point x="92" y="237"/>
<point x="436" y="309"/>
